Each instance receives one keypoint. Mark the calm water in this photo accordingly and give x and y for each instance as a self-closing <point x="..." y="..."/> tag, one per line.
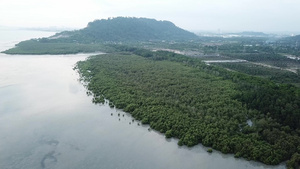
<point x="48" y="121"/>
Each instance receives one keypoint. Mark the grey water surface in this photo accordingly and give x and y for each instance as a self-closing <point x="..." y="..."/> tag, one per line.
<point x="48" y="121"/>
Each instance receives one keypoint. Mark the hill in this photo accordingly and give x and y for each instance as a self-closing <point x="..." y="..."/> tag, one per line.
<point x="252" y="34"/>
<point x="123" y="29"/>
<point x="99" y="33"/>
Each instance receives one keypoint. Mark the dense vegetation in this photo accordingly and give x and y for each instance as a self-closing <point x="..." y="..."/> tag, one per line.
<point x="272" y="59"/>
<point x="38" y="47"/>
<point x="290" y="45"/>
<point x="186" y="99"/>
<point x="277" y="75"/>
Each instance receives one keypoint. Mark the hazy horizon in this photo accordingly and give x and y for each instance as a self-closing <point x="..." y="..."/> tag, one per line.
<point x="270" y="16"/>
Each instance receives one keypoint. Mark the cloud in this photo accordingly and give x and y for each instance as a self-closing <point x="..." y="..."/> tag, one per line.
<point x="47" y="12"/>
<point x="260" y="15"/>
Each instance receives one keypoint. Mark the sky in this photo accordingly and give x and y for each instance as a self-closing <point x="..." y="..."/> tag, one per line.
<point x="193" y="15"/>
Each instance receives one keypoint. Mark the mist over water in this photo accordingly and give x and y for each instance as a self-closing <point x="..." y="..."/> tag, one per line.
<point x="48" y="121"/>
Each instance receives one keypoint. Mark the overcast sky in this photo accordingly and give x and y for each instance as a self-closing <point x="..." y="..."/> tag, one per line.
<point x="211" y="15"/>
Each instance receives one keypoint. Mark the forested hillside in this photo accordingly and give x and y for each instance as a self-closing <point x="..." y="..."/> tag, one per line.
<point x="105" y="31"/>
<point x="130" y="30"/>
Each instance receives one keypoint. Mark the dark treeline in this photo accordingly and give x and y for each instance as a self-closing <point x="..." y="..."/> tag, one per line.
<point x="45" y="46"/>
<point x="288" y="45"/>
<point x="262" y="53"/>
<point x="273" y="59"/>
<point x="184" y="98"/>
<point x="276" y="75"/>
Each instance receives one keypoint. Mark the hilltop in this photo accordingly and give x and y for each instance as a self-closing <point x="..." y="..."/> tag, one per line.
<point x="122" y="29"/>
